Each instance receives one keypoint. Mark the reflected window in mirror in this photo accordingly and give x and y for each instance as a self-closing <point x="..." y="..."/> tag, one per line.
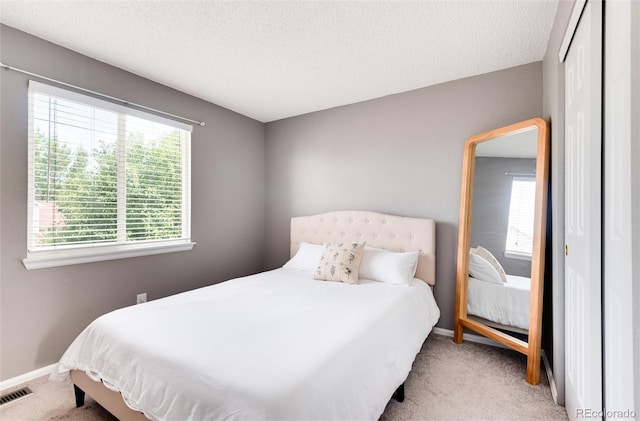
<point x="519" y="243"/>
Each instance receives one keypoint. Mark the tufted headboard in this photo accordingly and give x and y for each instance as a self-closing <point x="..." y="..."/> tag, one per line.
<point x="390" y="232"/>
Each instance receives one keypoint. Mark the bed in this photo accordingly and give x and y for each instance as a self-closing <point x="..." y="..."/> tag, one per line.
<point x="276" y="345"/>
<point x="502" y="305"/>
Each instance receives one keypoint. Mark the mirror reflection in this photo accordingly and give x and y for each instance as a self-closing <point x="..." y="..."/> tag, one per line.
<point x="502" y="226"/>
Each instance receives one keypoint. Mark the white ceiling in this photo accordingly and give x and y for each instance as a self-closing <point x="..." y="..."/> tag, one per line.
<point x="276" y="59"/>
<point x="519" y="144"/>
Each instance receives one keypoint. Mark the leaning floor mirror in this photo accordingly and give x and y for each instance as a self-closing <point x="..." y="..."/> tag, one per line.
<point x="501" y="242"/>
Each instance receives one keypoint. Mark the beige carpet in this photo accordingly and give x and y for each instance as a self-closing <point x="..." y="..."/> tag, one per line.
<point x="448" y="382"/>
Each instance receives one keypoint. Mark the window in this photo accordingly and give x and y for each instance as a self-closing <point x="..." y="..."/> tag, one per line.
<point x="105" y="181"/>
<point x="521" y="217"/>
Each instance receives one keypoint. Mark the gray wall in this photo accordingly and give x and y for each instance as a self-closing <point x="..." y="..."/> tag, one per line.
<point x="490" y="212"/>
<point x="43" y="310"/>
<point x="400" y="154"/>
<point x="553" y="111"/>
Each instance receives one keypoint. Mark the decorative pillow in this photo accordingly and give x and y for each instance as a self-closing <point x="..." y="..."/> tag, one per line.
<point x="306" y="258"/>
<point x="387" y="266"/>
<point x="483" y="252"/>
<point x="481" y="269"/>
<point x="340" y="262"/>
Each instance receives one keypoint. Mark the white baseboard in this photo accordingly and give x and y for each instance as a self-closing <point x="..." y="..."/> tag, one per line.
<point x="469" y="337"/>
<point x="552" y="382"/>
<point x="26" y="377"/>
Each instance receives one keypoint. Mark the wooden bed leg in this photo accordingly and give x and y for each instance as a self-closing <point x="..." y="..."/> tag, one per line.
<point x="79" y="396"/>
<point x="398" y="395"/>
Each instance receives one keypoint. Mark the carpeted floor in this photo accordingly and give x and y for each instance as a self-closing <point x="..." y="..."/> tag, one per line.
<point x="448" y="382"/>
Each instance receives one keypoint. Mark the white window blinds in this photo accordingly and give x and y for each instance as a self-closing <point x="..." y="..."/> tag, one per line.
<point x="521" y="216"/>
<point x="102" y="174"/>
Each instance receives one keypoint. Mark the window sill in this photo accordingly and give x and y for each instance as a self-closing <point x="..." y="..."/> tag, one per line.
<point x="48" y="259"/>
<point x="517" y="256"/>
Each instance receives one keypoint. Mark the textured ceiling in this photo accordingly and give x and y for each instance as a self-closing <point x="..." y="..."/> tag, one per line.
<point x="521" y="144"/>
<point x="273" y="59"/>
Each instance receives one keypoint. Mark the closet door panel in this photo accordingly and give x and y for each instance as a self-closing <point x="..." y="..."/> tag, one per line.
<point x="583" y="151"/>
<point x="620" y="382"/>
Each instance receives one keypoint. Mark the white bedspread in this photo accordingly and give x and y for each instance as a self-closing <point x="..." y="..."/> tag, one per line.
<point x="506" y="303"/>
<point x="277" y="345"/>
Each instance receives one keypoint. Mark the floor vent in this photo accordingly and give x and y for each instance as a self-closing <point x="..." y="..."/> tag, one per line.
<point x="15" y="395"/>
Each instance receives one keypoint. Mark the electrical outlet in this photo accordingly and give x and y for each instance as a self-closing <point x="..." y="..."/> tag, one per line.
<point x="141" y="298"/>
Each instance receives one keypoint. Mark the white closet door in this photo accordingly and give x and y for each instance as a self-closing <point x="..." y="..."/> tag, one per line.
<point x="617" y="239"/>
<point x="583" y="151"/>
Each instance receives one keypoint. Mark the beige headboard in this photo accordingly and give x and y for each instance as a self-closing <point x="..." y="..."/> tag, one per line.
<point x="390" y="232"/>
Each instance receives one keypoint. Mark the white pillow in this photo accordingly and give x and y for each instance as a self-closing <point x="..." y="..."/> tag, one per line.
<point x="483" y="252"/>
<point x="388" y="266"/>
<point x="481" y="269"/>
<point x="306" y="258"/>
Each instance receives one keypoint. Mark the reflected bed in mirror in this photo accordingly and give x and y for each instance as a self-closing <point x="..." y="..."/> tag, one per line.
<point x="501" y="239"/>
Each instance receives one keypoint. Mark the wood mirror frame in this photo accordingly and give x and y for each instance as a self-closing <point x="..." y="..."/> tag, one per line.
<point x="532" y="347"/>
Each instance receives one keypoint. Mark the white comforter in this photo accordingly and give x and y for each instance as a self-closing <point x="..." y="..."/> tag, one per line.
<point x="507" y="303"/>
<point x="277" y="345"/>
